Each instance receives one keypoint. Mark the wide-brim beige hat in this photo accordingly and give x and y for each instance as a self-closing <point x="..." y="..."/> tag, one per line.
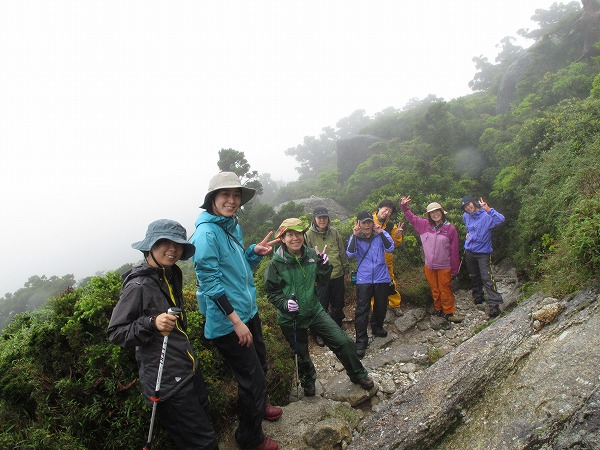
<point x="227" y="180"/>
<point x="434" y="206"/>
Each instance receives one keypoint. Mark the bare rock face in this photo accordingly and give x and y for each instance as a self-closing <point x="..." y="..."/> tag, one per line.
<point x="335" y="210"/>
<point x="507" y="387"/>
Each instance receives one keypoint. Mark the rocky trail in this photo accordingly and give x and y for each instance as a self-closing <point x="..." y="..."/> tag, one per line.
<point x="415" y="340"/>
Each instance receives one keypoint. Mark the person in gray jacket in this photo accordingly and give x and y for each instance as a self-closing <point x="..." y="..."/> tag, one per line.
<point x="139" y="320"/>
<point x="367" y="245"/>
<point x="332" y="293"/>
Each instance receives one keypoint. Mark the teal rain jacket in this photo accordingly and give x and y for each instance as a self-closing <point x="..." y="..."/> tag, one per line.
<point x="223" y="267"/>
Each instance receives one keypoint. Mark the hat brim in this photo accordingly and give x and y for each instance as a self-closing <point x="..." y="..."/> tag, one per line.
<point x="283" y="230"/>
<point x="146" y="245"/>
<point x="247" y="195"/>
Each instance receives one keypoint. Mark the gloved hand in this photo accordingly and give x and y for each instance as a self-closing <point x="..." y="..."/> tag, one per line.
<point x="292" y="306"/>
<point x="323" y="258"/>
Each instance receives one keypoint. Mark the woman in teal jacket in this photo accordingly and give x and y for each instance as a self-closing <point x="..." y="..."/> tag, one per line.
<point x="290" y="281"/>
<point x="226" y="294"/>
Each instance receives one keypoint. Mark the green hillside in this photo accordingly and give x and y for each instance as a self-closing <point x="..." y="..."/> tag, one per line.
<point x="527" y="140"/>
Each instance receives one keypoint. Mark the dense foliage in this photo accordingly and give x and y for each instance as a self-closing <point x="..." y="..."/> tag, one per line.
<point x="63" y="386"/>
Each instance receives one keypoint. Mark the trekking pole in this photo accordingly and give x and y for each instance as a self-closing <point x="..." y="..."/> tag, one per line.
<point x="294" y="315"/>
<point x="156" y="398"/>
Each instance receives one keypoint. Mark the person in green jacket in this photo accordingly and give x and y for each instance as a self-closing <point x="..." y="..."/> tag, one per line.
<point x="290" y="280"/>
<point x="331" y="294"/>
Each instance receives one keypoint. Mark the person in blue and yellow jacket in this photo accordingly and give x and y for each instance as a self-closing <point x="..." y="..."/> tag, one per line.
<point x="290" y="281"/>
<point x="383" y="217"/>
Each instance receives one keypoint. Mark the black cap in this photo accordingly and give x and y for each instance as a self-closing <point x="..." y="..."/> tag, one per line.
<point x="320" y="211"/>
<point x="466" y="200"/>
<point x="364" y="216"/>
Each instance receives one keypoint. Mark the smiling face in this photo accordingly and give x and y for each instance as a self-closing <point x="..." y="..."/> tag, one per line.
<point x="367" y="227"/>
<point x="436" y="215"/>
<point x="293" y="240"/>
<point x="321" y="222"/>
<point x="470" y="207"/>
<point x="384" y="213"/>
<point x="227" y="202"/>
<point x="165" y="252"/>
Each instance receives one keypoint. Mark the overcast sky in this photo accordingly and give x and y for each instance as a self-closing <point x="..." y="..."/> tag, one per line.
<point x="112" y="112"/>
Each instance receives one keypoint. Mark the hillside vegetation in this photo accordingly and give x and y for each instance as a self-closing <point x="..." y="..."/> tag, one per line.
<point x="527" y="140"/>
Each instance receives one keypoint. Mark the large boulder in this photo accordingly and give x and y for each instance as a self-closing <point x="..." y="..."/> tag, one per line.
<point x="336" y="211"/>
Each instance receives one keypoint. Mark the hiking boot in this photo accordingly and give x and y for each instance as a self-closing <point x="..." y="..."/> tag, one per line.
<point x="360" y="352"/>
<point x="494" y="311"/>
<point x="268" y="444"/>
<point x="379" y="332"/>
<point x="397" y="311"/>
<point x="456" y="317"/>
<point x="319" y="341"/>
<point x="273" y="413"/>
<point x="479" y="301"/>
<point x="309" y="390"/>
<point x="366" y="383"/>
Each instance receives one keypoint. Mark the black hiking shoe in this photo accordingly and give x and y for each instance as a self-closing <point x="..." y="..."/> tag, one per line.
<point x="494" y="311"/>
<point x="379" y="332"/>
<point x="479" y="301"/>
<point x="360" y="352"/>
<point x="309" y="390"/>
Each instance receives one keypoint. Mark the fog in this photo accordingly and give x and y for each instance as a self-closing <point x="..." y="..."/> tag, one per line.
<point x="112" y="113"/>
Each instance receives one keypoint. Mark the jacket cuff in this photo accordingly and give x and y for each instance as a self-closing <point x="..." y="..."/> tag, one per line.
<point x="224" y="305"/>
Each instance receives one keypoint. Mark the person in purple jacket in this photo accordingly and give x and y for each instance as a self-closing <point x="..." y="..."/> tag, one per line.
<point x="367" y="245"/>
<point x="440" y="245"/>
<point x="480" y="219"/>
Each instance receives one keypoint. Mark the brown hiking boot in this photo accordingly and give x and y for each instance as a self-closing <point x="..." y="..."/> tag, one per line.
<point x="456" y="317"/>
<point x="366" y="383"/>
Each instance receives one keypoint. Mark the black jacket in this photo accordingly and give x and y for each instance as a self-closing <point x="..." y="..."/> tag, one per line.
<point x="145" y="294"/>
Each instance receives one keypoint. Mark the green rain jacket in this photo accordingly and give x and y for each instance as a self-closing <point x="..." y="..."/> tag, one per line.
<point x="287" y="275"/>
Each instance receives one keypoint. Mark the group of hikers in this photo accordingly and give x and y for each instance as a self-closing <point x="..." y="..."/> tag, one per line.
<point x="305" y="280"/>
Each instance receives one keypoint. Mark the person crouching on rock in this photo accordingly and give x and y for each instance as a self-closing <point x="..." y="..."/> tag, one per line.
<point x="290" y="280"/>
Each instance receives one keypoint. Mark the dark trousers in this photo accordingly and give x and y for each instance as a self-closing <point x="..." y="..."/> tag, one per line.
<point x="331" y="296"/>
<point x="185" y="416"/>
<point x="249" y="367"/>
<point x="336" y="340"/>
<point x="364" y="292"/>
<point x="479" y="268"/>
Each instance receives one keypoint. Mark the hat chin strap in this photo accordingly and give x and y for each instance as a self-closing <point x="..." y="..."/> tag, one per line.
<point x="155" y="261"/>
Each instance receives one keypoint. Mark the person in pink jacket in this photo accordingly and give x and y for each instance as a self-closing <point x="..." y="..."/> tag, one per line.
<point x="440" y="245"/>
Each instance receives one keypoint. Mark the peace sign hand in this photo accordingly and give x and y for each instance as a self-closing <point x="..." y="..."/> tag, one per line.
<point x="265" y="246"/>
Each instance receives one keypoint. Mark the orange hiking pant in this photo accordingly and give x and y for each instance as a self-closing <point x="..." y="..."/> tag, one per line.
<point x="440" y="283"/>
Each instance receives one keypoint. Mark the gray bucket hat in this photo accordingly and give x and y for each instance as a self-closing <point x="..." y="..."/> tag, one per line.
<point x="227" y="180"/>
<point x="165" y="229"/>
